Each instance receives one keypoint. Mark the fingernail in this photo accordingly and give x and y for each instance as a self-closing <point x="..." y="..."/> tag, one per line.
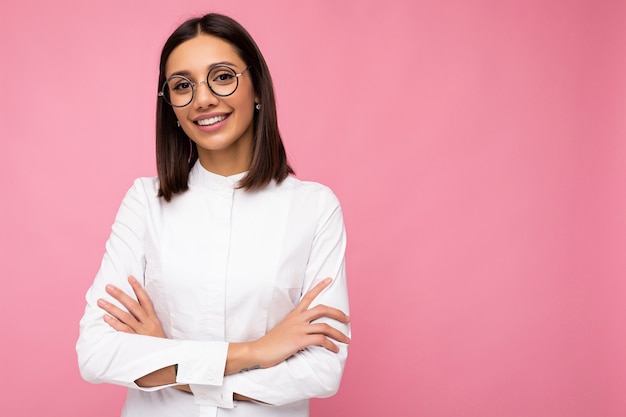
<point x="132" y="279"/>
<point x="327" y="280"/>
<point x="101" y="302"/>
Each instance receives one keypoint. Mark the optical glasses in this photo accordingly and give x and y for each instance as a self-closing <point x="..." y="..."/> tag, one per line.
<point x="179" y="91"/>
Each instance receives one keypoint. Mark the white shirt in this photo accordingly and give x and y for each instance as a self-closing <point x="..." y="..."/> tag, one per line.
<point x="220" y="265"/>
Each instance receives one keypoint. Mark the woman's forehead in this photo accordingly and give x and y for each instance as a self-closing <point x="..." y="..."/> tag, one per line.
<point x="200" y="53"/>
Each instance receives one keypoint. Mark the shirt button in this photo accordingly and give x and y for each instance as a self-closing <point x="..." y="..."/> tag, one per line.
<point x="210" y="375"/>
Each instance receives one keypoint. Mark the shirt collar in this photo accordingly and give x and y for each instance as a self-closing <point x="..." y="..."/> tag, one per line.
<point x="199" y="175"/>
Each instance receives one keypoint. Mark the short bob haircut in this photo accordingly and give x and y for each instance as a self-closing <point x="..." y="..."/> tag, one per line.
<point x="176" y="154"/>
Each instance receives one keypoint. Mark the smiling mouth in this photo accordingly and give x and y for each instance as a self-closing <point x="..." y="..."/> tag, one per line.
<point x="212" y="120"/>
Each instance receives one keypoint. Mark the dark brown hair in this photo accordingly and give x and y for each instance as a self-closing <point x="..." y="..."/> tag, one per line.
<point x="175" y="156"/>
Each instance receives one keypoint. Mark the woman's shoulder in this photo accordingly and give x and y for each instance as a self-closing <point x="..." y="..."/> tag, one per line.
<point x="147" y="185"/>
<point x="143" y="189"/>
<point x="311" y="189"/>
<point x="303" y="185"/>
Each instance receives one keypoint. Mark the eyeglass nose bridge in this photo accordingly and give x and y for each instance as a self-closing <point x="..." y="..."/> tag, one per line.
<point x="194" y="87"/>
<point x="193" y="92"/>
<point x="213" y="92"/>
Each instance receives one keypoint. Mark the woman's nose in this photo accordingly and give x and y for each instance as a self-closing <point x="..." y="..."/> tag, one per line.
<point x="203" y="96"/>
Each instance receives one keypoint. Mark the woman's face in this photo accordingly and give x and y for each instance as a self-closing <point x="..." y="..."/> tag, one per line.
<point x="221" y="127"/>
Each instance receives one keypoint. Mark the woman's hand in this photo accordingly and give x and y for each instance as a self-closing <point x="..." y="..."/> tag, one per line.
<point x="296" y="332"/>
<point x="140" y="317"/>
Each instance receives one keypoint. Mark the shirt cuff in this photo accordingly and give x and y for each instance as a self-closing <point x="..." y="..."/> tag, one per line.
<point x="202" y="363"/>
<point x="214" y="396"/>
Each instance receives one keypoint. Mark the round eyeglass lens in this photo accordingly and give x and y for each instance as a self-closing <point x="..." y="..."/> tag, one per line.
<point x="223" y="81"/>
<point x="178" y="91"/>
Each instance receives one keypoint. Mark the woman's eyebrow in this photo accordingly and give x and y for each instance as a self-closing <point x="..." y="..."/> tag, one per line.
<point x="187" y="74"/>
<point x="184" y="73"/>
<point x="230" y="64"/>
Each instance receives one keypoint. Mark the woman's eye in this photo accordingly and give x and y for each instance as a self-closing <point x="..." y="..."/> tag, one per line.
<point x="182" y="87"/>
<point x="223" y="78"/>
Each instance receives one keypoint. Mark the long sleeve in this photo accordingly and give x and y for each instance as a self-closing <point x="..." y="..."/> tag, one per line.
<point x="105" y="355"/>
<point x="314" y="372"/>
<point x="220" y="265"/>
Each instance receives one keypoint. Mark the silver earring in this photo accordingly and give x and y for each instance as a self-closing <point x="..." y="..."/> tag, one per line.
<point x="177" y="123"/>
<point x="258" y="106"/>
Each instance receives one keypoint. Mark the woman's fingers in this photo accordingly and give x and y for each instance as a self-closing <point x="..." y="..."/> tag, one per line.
<point x="308" y="298"/>
<point x="321" y="334"/>
<point x="318" y="339"/>
<point x="117" y="325"/>
<point x="328" y="331"/>
<point x="127" y="301"/>
<point x="140" y="317"/>
<point x="321" y="310"/>
<point x="299" y="330"/>
<point x="328" y="344"/>
<point x="142" y="295"/>
<point x="118" y="314"/>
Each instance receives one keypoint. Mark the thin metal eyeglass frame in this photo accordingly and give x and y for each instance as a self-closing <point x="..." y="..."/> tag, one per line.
<point x="193" y="85"/>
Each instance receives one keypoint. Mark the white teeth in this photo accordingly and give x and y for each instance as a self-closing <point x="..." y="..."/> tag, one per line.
<point x="211" y="121"/>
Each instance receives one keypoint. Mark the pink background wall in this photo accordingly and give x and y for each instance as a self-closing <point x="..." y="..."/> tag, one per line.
<point x="478" y="148"/>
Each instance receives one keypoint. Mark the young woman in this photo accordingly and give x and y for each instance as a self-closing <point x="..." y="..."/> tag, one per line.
<point x="222" y="291"/>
